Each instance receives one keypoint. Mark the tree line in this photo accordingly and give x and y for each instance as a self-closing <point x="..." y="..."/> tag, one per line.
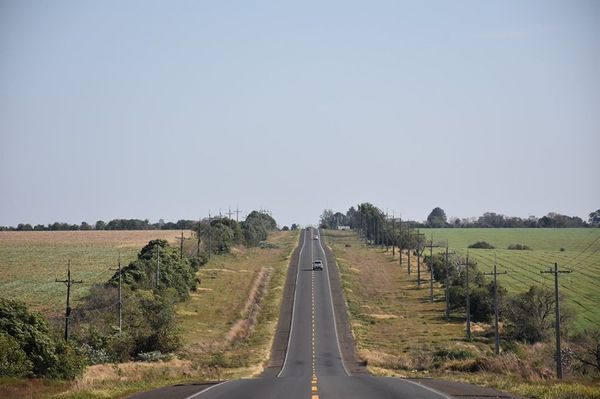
<point x="437" y="218"/>
<point x="115" y="224"/>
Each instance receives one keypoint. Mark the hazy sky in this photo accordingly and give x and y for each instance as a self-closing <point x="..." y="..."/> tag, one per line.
<point x="160" y="109"/>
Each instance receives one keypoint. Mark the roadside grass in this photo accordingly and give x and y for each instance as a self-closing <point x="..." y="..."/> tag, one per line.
<point x="230" y="295"/>
<point x="31" y="261"/>
<point x="581" y="253"/>
<point x="399" y="333"/>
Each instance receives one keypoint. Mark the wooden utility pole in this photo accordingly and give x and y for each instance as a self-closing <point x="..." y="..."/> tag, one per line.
<point x="68" y="282"/>
<point x="497" y="334"/>
<point x="237" y="214"/>
<point x="431" y="269"/>
<point x="400" y="241"/>
<point x="393" y="235"/>
<point x="209" y="237"/>
<point x="556" y="272"/>
<point x="120" y="303"/>
<point x="468" y="297"/>
<point x="157" y="265"/>
<point x="419" y="254"/>
<point x="409" y="249"/>
<point x="181" y="246"/>
<point x="447" y="290"/>
<point x="230" y="213"/>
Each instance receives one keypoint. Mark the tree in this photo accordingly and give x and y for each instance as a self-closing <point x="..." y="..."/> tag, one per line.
<point x="531" y="315"/>
<point x="100" y="225"/>
<point x="594" y="218"/>
<point x="327" y="220"/>
<point x="437" y="218"/>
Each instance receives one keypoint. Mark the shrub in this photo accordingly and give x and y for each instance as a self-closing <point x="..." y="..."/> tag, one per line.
<point x="13" y="360"/>
<point x="519" y="247"/>
<point x="482" y="245"/>
<point x="49" y="357"/>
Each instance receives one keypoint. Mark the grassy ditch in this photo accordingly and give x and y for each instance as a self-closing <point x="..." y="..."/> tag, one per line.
<point x="399" y="332"/>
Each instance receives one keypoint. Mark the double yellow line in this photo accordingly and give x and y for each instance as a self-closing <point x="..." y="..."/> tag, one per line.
<point x="313" y="384"/>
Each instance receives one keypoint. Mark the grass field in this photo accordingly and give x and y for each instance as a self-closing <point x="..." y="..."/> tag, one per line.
<point x="581" y="254"/>
<point x="31" y="261"/>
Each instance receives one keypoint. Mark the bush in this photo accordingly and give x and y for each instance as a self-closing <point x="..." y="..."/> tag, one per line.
<point x="49" y="357"/>
<point x="482" y="245"/>
<point x="519" y="247"/>
<point x="13" y="360"/>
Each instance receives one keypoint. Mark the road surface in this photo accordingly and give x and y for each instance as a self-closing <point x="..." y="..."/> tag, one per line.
<point x="313" y="367"/>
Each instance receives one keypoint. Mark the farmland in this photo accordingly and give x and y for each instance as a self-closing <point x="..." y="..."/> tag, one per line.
<point x="574" y="249"/>
<point x="31" y="261"/>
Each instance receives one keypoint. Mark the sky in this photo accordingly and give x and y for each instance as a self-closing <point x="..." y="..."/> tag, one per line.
<point x="156" y="109"/>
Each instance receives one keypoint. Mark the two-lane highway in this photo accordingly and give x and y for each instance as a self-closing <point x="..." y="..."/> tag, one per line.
<point x="313" y="367"/>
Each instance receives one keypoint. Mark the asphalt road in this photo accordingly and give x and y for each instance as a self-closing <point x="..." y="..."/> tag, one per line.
<point x="313" y="367"/>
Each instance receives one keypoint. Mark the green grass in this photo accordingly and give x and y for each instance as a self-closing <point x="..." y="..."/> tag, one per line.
<point x="581" y="254"/>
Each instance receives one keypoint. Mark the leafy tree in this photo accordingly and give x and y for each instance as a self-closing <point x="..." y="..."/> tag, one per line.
<point x="327" y="219"/>
<point x="437" y="218"/>
<point x="100" y="225"/>
<point x="531" y="315"/>
<point x="594" y="218"/>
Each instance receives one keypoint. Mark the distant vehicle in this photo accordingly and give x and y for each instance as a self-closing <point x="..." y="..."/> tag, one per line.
<point x="318" y="265"/>
<point x="315" y="237"/>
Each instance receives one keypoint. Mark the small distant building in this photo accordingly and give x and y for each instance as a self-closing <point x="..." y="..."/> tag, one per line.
<point x="343" y="227"/>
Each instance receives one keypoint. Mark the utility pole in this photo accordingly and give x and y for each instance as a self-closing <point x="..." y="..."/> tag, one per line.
<point x="409" y="248"/>
<point x="230" y="213"/>
<point x="431" y="269"/>
<point x="209" y="237"/>
<point x="237" y="214"/>
<point x="556" y="272"/>
<point x="120" y="303"/>
<point x="497" y="335"/>
<point x="420" y="249"/>
<point x="468" y="296"/>
<point x="393" y="235"/>
<point x="385" y="235"/>
<point x="447" y="282"/>
<point x="181" y="246"/>
<point x="68" y="282"/>
<point x="400" y="242"/>
<point x="157" y="265"/>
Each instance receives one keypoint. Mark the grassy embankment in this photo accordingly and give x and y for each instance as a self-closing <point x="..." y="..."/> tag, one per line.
<point x="227" y="327"/>
<point x="398" y="332"/>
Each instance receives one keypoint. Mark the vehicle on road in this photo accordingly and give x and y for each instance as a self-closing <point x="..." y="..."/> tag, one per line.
<point x="318" y="265"/>
<point x="315" y="237"/>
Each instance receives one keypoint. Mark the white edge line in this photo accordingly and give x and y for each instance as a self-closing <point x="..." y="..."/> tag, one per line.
<point x="207" y="389"/>
<point x="287" y="350"/>
<point x="442" y="394"/>
<point x="332" y="308"/>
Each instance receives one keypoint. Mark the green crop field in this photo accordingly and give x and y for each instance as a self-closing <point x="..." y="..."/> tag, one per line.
<point x="31" y="261"/>
<point x="573" y="249"/>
